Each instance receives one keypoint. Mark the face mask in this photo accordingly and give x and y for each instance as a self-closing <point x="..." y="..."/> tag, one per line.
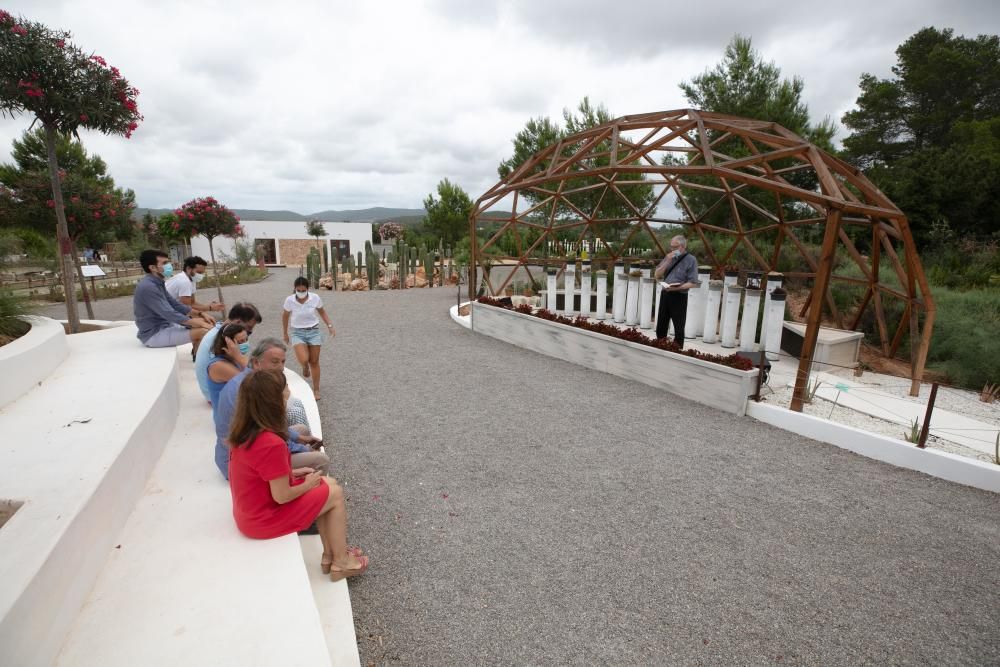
<point x="300" y="295"/>
<point x="198" y="277"/>
<point x="244" y="348"/>
<point x="168" y="270"/>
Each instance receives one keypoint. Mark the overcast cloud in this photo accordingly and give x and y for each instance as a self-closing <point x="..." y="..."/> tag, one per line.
<point x="331" y="105"/>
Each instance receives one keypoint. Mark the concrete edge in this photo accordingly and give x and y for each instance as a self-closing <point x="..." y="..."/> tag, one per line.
<point x="27" y="361"/>
<point x="464" y="320"/>
<point x="944" y="465"/>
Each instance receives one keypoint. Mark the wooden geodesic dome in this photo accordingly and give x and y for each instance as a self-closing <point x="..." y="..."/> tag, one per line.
<point x="752" y="192"/>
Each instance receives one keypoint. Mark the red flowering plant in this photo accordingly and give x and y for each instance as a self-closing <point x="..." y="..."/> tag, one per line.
<point x="631" y="334"/>
<point x="206" y="217"/>
<point x="390" y="231"/>
<point x="64" y="88"/>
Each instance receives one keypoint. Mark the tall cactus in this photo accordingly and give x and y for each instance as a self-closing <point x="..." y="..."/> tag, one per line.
<point x="336" y="266"/>
<point x="361" y="262"/>
<point x="441" y="259"/>
<point x="428" y="268"/>
<point x="313" y="267"/>
<point x="372" y="267"/>
<point x="326" y="258"/>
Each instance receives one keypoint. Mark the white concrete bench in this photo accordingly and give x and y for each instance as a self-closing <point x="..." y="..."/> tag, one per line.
<point x="183" y="586"/>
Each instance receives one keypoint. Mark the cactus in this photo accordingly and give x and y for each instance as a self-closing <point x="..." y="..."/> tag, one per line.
<point x="361" y="261"/>
<point x="440" y="257"/>
<point x="326" y="258"/>
<point x="335" y="265"/>
<point x="313" y="267"/>
<point x="372" y="267"/>
<point x="428" y="268"/>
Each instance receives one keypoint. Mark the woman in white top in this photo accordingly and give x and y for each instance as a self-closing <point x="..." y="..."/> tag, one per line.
<point x="303" y="310"/>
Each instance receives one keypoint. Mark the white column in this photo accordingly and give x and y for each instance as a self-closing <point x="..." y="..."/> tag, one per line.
<point x="774" y="280"/>
<point x="550" y="290"/>
<point x="775" y="320"/>
<point x="748" y="325"/>
<point x="569" y="289"/>
<point x="712" y="311"/>
<point x="585" y="288"/>
<point x="602" y="295"/>
<point x="647" y="287"/>
<point x="632" y="298"/>
<point x="620" y="293"/>
<point x="728" y="280"/>
<point x="700" y="301"/>
<point x="730" y="314"/>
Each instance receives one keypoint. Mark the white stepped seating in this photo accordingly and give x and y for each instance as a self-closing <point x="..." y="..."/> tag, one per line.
<point x="120" y="556"/>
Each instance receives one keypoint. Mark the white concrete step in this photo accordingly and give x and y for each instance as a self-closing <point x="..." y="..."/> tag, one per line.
<point x="183" y="586"/>
<point x="77" y="450"/>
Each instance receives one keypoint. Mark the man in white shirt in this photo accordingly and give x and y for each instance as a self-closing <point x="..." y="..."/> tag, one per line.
<point x="182" y="286"/>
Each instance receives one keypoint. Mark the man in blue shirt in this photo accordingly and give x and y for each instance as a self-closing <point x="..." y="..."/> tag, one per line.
<point x="679" y="270"/>
<point x="267" y="357"/>
<point x="162" y="322"/>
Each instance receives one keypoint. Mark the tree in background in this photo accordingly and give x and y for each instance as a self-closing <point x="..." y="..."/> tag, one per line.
<point x="538" y="133"/>
<point x="390" y="231"/>
<point x="448" y="216"/>
<point x="743" y="84"/>
<point x="96" y="211"/>
<point x="64" y="88"/>
<point x="315" y="229"/>
<point x="207" y="217"/>
<point x="929" y="137"/>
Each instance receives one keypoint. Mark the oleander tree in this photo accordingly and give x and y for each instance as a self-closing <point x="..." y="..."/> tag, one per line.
<point x="65" y="88"/>
<point x="390" y="231"/>
<point x="206" y="217"/>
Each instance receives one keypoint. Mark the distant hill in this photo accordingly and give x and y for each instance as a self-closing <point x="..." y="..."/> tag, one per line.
<point x="377" y="213"/>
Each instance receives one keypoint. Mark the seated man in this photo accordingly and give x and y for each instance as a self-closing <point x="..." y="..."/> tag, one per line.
<point x="242" y="313"/>
<point x="162" y="322"/>
<point x="183" y="286"/>
<point x="267" y="357"/>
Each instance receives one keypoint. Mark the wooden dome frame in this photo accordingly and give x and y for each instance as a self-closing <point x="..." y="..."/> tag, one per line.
<point x="680" y="151"/>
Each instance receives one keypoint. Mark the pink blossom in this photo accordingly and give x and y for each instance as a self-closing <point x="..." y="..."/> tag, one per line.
<point x="99" y="60"/>
<point x="4" y="16"/>
<point x="61" y="43"/>
<point x="97" y="214"/>
<point x="84" y="118"/>
<point x="51" y="203"/>
<point x="19" y="30"/>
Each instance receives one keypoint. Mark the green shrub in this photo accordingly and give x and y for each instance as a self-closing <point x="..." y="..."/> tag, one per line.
<point x="965" y="345"/>
<point x="12" y="313"/>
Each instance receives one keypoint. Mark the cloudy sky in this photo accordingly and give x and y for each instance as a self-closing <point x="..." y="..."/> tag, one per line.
<point x="341" y="105"/>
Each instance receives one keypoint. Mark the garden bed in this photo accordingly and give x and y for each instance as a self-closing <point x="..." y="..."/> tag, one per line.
<point x="706" y="382"/>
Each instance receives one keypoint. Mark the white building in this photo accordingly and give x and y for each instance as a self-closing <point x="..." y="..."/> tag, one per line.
<point x="285" y="242"/>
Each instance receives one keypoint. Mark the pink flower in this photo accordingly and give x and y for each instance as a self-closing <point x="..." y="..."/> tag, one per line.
<point x="84" y="118"/>
<point x="51" y="203"/>
<point x="4" y="16"/>
<point x="61" y="43"/>
<point x="97" y="214"/>
<point x="19" y="30"/>
<point x="111" y="211"/>
<point x="99" y="60"/>
<point x="74" y="199"/>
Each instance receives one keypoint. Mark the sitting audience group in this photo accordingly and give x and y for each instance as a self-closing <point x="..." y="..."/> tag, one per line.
<point x="277" y="472"/>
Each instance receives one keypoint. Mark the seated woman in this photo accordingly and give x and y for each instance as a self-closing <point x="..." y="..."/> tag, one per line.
<point x="270" y="499"/>
<point x="230" y="354"/>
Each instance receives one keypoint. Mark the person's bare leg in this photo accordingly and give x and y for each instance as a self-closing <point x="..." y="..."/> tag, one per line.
<point x="302" y="356"/>
<point x="314" y="351"/>
<point x="332" y="526"/>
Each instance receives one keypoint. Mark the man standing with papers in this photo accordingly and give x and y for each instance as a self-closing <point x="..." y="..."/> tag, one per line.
<point x="678" y="272"/>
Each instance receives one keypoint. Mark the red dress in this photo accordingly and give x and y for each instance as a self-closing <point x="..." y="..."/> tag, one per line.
<point x="256" y="512"/>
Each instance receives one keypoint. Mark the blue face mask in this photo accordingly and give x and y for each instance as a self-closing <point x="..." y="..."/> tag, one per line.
<point x="244" y="349"/>
<point x="168" y="270"/>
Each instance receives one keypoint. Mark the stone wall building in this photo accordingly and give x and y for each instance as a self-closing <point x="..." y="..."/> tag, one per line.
<point x="285" y="243"/>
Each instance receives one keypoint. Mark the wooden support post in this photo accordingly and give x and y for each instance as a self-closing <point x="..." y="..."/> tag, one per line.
<point x="925" y="429"/>
<point x="820" y="286"/>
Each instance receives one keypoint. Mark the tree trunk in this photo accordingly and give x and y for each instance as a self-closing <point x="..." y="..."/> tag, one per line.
<point x="62" y="235"/>
<point x="83" y="282"/>
<point x="215" y="267"/>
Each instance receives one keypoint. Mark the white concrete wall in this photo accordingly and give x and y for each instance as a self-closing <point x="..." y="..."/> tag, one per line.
<point x="951" y="467"/>
<point x="355" y="232"/>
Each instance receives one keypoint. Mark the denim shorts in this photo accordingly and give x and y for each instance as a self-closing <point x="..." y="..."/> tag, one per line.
<point x="312" y="336"/>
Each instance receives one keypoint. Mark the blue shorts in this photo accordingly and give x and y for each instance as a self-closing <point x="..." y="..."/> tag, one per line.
<point x="312" y="336"/>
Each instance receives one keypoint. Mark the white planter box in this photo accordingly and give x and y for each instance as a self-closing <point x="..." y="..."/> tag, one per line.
<point x="701" y="381"/>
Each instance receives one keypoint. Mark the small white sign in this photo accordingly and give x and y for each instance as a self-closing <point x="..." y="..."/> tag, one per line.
<point x="92" y="271"/>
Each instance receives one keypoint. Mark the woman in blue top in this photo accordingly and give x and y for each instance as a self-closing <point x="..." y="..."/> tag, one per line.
<point x="230" y="354"/>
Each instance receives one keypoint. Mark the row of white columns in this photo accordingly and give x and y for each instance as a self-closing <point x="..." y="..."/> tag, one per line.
<point x="713" y="307"/>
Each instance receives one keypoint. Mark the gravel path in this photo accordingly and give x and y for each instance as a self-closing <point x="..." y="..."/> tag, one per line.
<point x="521" y="510"/>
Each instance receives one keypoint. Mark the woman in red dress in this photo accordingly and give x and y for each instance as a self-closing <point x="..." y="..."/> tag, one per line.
<point x="269" y="498"/>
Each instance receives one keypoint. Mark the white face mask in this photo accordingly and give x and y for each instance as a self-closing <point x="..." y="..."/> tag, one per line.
<point x="301" y="295"/>
<point x="198" y="277"/>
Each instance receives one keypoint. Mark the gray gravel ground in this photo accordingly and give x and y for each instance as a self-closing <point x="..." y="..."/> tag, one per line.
<point x="522" y="510"/>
